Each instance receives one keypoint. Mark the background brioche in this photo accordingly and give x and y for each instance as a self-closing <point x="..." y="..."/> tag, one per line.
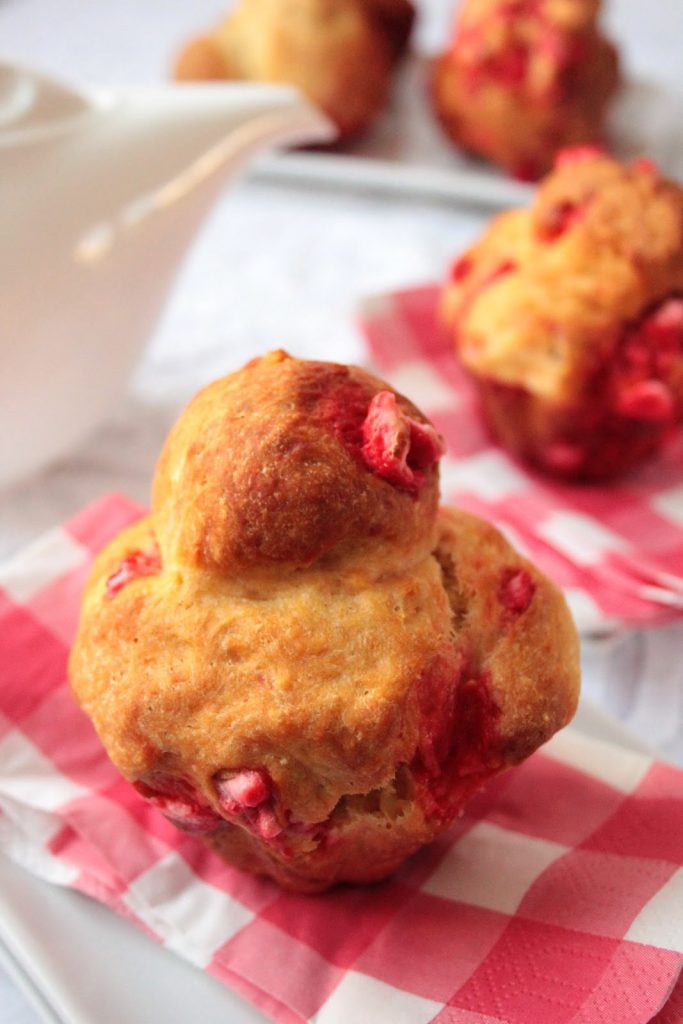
<point x="570" y="317"/>
<point x="523" y="78"/>
<point x="339" y="53"/>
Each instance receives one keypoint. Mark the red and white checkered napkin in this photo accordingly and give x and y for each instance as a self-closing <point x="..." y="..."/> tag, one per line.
<point x="616" y="550"/>
<point x="557" y="898"/>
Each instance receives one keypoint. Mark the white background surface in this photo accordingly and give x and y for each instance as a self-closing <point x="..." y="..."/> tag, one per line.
<point x="284" y="267"/>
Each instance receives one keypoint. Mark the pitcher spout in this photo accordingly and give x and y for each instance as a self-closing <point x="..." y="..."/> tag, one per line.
<point x="115" y="185"/>
<point x="182" y="133"/>
<point x="181" y="142"/>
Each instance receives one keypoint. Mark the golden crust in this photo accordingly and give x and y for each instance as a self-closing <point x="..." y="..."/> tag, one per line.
<point x="340" y="53"/>
<point x="530" y="659"/>
<point x="520" y="82"/>
<point x="549" y="299"/>
<point x="298" y="491"/>
<point x="372" y="693"/>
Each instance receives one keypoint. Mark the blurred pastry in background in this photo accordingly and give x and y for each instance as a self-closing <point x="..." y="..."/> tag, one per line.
<point x="524" y="78"/>
<point x="340" y="53"/>
<point x="569" y="316"/>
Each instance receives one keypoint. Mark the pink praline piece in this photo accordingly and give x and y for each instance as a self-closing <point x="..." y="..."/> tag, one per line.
<point x="397" y="447"/>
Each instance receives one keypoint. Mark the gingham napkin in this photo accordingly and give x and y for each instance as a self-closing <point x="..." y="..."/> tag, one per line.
<point x="557" y="897"/>
<point x="617" y="550"/>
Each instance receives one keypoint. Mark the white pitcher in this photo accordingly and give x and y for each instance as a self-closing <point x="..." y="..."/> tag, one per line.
<point x="100" y="196"/>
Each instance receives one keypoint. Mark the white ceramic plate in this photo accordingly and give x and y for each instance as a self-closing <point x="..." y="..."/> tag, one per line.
<point x="78" y="963"/>
<point x="407" y="154"/>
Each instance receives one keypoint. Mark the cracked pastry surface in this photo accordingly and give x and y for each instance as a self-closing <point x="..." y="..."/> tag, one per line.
<point x="339" y="53"/>
<point x="297" y="655"/>
<point x="524" y="78"/>
<point x="569" y="316"/>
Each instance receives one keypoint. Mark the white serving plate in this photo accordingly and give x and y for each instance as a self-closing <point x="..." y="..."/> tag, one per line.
<point x="79" y="963"/>
<point x="406" y="153"/>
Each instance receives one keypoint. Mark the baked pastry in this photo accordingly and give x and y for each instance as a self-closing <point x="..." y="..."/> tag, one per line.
<point x="569" y="316"/>
<point x="524" y="78"/>
<point x="297" y="656"/>
<point x="339" y="53"/>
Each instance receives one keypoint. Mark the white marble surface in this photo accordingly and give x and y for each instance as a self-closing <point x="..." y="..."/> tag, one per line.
<point x="284" y="267"/>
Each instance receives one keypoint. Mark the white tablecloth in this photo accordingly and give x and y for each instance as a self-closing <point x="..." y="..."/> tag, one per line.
<point x="284" y="267"/>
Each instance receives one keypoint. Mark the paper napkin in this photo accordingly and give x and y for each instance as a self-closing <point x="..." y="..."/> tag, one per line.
<point x="556" y="899"/>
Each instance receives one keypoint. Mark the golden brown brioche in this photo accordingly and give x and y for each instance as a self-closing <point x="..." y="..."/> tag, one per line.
<point x="297" y="656"/>
<point x="570" y="317"/>
<point x="524" y="78"/>
<point x="339" y="53"/>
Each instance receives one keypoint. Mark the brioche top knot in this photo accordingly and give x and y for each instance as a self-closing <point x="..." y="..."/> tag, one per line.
<point x="335" y="461"/>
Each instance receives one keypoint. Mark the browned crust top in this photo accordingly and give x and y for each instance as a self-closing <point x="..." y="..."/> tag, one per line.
<point x="299" y="489"/>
